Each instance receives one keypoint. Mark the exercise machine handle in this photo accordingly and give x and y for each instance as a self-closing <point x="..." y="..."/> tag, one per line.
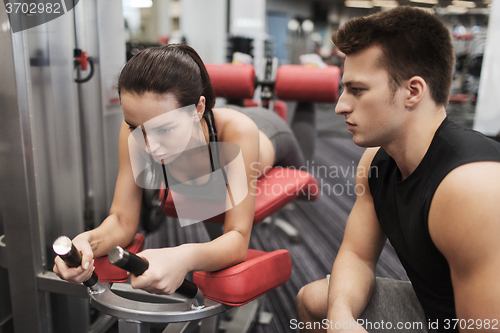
<point x="64" y="247"/>
<point x="137" y="265"/>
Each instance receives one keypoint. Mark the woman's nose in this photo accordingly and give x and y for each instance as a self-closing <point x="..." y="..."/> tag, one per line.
<point x="152" y="143"/>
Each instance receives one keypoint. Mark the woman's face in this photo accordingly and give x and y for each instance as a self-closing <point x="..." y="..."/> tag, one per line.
<point x="159" y="125"/>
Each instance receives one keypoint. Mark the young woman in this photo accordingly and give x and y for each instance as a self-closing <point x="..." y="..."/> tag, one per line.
<point x="167" y="101"/>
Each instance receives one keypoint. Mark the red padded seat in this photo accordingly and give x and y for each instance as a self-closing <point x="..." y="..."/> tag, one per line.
<point x="274" y="191"/>
<point x="280" y="107"/>
<point x="461" y="98"/>
<point x="307" y="84"/>
<point x="232" y="81"/>
<point x="246" y="281"/>
<point x="110" y="273"/>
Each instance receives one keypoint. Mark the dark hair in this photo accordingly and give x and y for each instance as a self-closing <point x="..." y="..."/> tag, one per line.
<point x="175" y="69"/>
<point x="413" y="41"/>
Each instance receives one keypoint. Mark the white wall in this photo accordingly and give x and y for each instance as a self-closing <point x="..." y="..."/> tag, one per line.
<point x="203" y="23"/>
<point x="487" y="117"/>
<point x="164" y="17"/>
<point x="248" y="19"/>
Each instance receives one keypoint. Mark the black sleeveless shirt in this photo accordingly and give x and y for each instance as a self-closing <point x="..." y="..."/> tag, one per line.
<point x="402" y="208"/>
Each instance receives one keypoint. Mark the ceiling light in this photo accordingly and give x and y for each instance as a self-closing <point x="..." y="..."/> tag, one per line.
<point x="293" y="25"/>
<point x="466" y="4"/>
<point x="430" y="10"/>
<point x="385" y="3"/>
<point x="457" y="10"/>
<point x="432" y="2"/>
<point x="140" y="3"/>
<point x="308" y="25"/>
<point x="359" y="4"/>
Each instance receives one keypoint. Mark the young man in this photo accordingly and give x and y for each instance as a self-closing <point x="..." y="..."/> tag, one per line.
<point x="433" y="191"/>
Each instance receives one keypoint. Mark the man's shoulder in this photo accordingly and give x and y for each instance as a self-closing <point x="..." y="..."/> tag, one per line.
<point x="467" y="191"/>
<point x="465" y="210"/>
<point x="466" y="178"/>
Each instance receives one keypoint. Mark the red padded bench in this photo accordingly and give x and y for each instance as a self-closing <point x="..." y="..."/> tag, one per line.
<point x="292" y="183"/>
<point x="234" y="286"/>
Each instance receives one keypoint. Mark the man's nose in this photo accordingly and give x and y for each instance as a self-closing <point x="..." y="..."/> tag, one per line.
<point x="343" y="106"/>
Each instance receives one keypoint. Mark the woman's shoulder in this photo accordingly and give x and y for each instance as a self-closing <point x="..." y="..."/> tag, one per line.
<point x="230" y="123"/>
<point x="228" y="114"/>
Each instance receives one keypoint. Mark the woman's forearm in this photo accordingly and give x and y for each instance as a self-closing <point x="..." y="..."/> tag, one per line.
<point x="224" y="251"/>
<point x="112" y="232"/>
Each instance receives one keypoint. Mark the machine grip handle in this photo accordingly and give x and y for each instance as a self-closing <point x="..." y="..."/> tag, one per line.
<point x="137" y="265"/>
<point x="127" y="261"/>
<point x="64" y="247"/>
<point x="187" y="289"/>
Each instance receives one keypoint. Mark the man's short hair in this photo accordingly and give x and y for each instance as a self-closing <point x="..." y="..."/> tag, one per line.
<point x="414" y="42"/>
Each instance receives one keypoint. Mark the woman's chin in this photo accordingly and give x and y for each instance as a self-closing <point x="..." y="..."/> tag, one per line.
<point x="165" y="159"/>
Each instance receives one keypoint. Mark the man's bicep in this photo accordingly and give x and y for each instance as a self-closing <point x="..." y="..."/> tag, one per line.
<point x="477" y="294"/>
<point x="363" y="234"/>
<point x="464" y="223"/>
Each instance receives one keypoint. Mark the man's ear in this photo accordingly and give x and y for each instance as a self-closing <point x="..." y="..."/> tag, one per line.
<point x="200" y="107"/>
<point x="416" y="89"/>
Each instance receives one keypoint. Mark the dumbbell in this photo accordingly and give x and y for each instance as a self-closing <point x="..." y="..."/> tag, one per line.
<point x="136" y="265"/>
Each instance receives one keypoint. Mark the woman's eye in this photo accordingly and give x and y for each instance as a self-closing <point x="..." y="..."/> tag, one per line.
<point x="164" y="130"/>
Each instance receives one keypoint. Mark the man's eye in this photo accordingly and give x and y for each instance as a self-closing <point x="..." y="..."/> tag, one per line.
<point x="356" y="91"/>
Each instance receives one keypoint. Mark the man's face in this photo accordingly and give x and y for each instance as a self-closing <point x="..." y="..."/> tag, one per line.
<point x="373" y="112"/>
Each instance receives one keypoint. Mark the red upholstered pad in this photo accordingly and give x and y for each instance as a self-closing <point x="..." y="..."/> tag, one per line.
<point x="232" y="81"/>
<point x="461" y="98"/>
<point x="280" y="107"/>
<point x="307" y="84"/>
<point x="244" y="282"/>
<point x="110" y="273"/>
<point x="250" y="103"/>
<point x="279" y="187"/>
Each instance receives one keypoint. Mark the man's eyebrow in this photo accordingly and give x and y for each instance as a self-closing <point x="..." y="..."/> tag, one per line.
<point x="350" y="83"/>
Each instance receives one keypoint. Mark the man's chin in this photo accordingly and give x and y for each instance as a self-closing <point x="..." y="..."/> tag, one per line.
<point x="358" y="141"/>
<point x="363" y="142"/>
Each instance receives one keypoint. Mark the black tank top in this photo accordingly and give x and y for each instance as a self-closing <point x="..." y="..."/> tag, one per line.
<point x="402" y="208"/>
